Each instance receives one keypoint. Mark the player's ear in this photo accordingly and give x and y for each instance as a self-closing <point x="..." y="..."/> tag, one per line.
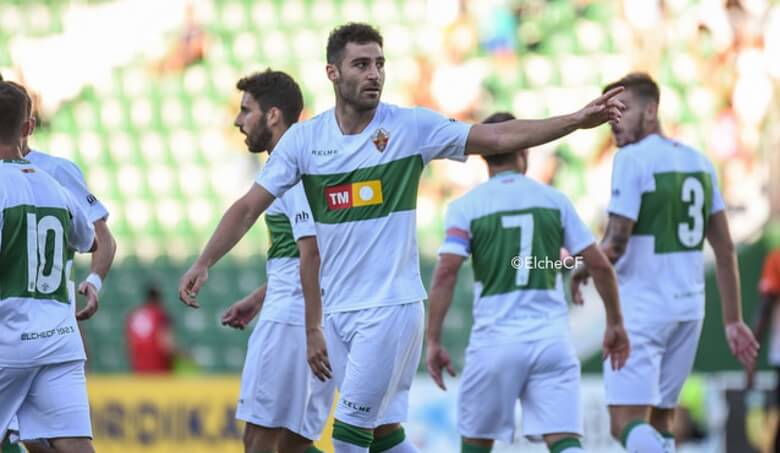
<point x="27" y="127"/>
<point x="332" y="71"/>
<point x="273" y="117"/>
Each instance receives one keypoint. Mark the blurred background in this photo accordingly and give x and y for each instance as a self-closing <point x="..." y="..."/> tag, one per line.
<point x="141" y="95"/>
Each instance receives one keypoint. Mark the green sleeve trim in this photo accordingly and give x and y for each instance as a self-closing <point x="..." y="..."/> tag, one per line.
<point x="627" y="430"/>
<point x="563" y="444"/>
<point x="667" y="435"/>
<point x="352" y="434"/>
<point x="389" y="441"/>
<point x="468" y="448"/>
<point x="313" y="449"/>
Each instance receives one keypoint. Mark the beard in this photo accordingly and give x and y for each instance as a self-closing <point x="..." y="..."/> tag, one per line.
<point x="351" y="95"/>
<point x="636" y="133"/>
<point x="258" y="141"/>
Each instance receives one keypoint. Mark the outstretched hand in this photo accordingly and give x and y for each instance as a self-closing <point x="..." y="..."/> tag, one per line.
<point x="602" y="109"/>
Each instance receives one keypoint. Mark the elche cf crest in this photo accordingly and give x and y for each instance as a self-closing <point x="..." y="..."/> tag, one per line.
<point x="380" y="138"/>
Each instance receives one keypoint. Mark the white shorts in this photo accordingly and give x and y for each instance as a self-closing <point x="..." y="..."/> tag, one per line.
<point x="660" y="361"/>
<point x="543" y="374"/>
<point x="375" y="353"/>
<point x="49" y="401"/>
<point x="278" y="390"/>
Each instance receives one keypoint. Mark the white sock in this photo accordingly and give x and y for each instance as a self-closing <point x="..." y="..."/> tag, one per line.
<point x="669" y="445"/>
<point x="643" y="438"/>
<point x="339" y="446"/>
<point x="404" y="447"/>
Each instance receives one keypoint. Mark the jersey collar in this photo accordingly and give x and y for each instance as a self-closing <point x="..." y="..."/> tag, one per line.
<point x="505" y="173"/>
<point x="15" y="161"/>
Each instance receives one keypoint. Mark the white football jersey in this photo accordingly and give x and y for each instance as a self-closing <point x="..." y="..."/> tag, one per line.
<point x="39" y="222"/>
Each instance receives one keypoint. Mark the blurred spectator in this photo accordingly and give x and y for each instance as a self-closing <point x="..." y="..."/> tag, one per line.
<point x="150" y="340"/>
<point x="190" y="46"/>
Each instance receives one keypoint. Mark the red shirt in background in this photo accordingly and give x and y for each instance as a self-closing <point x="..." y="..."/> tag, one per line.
<point x="148" y="340"/>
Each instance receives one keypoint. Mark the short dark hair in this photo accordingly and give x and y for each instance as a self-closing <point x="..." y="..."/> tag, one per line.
<point x="27" y="98"/>
<point x="639" y="83"/>
<point x="356" y="32"/>
<point x="13" y="113"/>
<point x="503" y="158"/>
<point x="275" y="89"/>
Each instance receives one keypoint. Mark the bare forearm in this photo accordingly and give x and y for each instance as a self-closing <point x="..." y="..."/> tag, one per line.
<point x="512" y="135"/>
<point x="103" y="256"/>
<point x="258" y="296"/>
<point x="606" y="285"/>
<point x="233" y="226"/>
<point x="521" y="134"/>
<point x="440" y="300"/>
<point x="728" y="283"/>
<point x="310" y="281"/>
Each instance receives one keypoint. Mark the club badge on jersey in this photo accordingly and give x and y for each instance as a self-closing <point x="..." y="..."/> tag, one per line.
<point x="380" y="138"/>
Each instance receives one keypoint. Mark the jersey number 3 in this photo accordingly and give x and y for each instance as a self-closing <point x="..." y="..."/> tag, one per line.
<point x="693" y="195"/>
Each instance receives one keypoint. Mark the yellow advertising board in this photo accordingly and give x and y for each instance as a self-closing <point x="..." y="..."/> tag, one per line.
<point x="169" y="414"/>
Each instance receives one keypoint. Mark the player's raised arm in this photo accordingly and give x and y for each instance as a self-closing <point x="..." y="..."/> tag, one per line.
<point x="508" y="136"/>
<point x="233" y="226"/>
<point x="740" y="339"/>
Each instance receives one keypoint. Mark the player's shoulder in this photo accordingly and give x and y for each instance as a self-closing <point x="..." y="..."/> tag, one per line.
<point x="54" y="165"/>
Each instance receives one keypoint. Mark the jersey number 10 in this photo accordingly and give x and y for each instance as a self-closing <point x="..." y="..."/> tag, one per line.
<point x="44" y="264"/>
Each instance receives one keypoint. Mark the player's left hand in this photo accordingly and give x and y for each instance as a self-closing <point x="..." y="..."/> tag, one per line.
<point x="241" y="313"/>
<point x="90" y="294"/>
<point x="600" y="110"/>
<point x="438" y="358"/>
<point x="616" y="345"/>
<point x="742" y="343"/>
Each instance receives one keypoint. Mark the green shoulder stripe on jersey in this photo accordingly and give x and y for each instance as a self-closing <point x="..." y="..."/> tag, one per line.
<point x="282" y="240"/>
<point x="365" y="193"/>
<point x="502" y="251"/>
<point x="676" y="212"/>
<point x="33" y="253"/>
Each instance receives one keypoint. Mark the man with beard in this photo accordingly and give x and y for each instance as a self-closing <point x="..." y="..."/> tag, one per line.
<point x="360" y="164"/>
<point x="283" y="405"/>
<point x="665" y="202"/>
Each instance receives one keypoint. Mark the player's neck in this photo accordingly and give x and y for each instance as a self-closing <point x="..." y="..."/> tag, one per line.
<point x="494" y="170"/>
<point x="10" y="152"/>
<point x="352" y="121"/>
